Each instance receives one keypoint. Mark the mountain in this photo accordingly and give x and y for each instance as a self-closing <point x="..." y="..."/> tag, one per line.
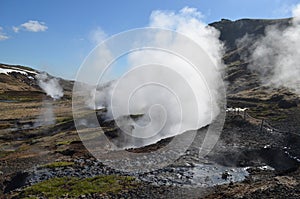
<point x="20" y="82"/>
<point x="244" y="87"/>
<point x="17" y="78"/>
<point x="242" y="82"/>
<point x="233" y="30"/>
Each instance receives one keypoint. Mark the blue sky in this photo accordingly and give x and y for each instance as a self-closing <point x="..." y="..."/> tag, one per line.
<point x="56" y="35"/>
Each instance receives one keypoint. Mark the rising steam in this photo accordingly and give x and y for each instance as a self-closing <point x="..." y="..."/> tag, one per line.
<point x="170" y="95"/>
<point x="47" y="116"/>
<point x="53" y="89"/>
<point x="188" y="21"/>
<point x="276" y="56"/>
<point x="50" y="86"/>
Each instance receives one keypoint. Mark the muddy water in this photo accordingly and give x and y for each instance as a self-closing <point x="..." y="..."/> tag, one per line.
<point x="211" y="175"/>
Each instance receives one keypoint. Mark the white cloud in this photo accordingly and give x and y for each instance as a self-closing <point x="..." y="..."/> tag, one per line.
<point x="32" y="26"/>
<point x="3" y="36"/>
<point x="191" y="12"/>
<point x="97" y="35"/>
<point x="15" y="29"/>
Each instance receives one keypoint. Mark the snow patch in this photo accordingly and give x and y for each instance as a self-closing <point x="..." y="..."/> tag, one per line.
<point x="16" y="70"/>
<point x="6" y="71"/>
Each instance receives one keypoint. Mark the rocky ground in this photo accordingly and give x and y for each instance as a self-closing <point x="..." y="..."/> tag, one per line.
<point x="245" y="162"/>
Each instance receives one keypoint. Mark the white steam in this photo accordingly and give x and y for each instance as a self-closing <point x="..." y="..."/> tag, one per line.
<point x="188" y="22"/>
<point x="47" y="116"/>
<point x="164" y="87"/>
<point x="50" y="85"/>
<point x="53" y="89"/>
<point x="276" y="56"/>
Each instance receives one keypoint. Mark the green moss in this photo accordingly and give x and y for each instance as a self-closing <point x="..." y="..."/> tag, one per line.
<point x="58" y="164"/>
<point x="22" y="96"/>
<point x="5" y="153"/>
<point x="67" y="142"/>
<point x="74" y="187"/>
<point x="23" y="147"/>
<point x="64" y="119"/>
<point x="16" y="98"/>
<point x="235" y="63"/>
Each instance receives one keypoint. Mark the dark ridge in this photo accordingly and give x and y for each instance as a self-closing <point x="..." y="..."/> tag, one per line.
<point x="232" y="30"/>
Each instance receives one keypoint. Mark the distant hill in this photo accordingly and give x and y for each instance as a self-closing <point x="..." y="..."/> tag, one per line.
<point x="22" y="79"/>
<point x="244" y="84"/>
<point x="233" y="30"/>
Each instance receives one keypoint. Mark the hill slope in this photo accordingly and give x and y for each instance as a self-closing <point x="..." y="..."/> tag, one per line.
<point x="244" y="86"/>
<point x="21" y="83"/>
<point x="233" y="30"/>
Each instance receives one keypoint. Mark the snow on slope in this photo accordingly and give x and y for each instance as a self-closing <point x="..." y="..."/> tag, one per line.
<point x="17" y="70"/>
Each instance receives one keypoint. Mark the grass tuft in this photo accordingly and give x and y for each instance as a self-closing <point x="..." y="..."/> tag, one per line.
<point x="58" y="164"/>
<point x="74" y="187"/>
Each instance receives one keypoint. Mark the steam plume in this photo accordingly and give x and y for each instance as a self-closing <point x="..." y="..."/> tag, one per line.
<point x="276" y="56"/>
<point x="47" y="116"/>
<point x="50" y="86"/>
<point x="53" y="89"/>
<point x="178" y="99"/>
